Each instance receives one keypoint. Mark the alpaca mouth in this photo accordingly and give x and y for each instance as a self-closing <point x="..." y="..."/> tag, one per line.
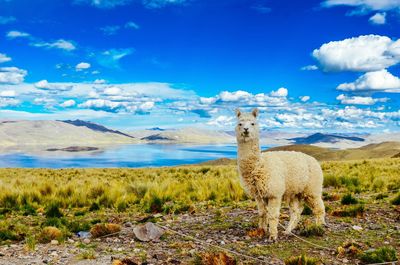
<point x="245" y="134"/>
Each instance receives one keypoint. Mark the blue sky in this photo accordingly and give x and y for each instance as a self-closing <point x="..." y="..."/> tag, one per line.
<point x="308" y="65"/>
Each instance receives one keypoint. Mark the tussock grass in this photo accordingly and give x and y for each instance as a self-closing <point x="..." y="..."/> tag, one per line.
<point x="383" y="254"/>
<point x="119" y="189"/>
<point x="302" y="260"/>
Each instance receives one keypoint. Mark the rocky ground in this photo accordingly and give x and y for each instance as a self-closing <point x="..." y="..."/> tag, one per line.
<point x="226" y="227"/>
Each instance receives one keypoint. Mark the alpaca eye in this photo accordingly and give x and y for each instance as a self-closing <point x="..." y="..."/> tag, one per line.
<point x="240" y="124"/>
<point x="252" y="124"/>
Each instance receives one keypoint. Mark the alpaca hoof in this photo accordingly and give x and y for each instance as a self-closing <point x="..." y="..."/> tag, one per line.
<point x="272" y="238"/>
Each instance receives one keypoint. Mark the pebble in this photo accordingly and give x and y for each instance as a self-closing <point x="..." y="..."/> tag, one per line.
<point x="86" y="241"/>
<point x="128" y="224"/>
<point x="71" y="241"/>
<point x="209" y="240"/>
<point x="345" y="260"/>
<point x="222" y="242"/>
<point x="54" y="242"/>
<point x="357" y="227"/>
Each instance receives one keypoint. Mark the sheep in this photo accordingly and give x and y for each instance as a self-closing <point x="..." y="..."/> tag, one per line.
<point x="271" y="177"/>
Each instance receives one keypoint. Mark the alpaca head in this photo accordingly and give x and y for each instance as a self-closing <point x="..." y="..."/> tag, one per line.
<point x="247" y="126"/>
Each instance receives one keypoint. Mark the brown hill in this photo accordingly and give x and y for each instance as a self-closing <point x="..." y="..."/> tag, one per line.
<point x="381" y="150"/>
<point x="396" y="156"/>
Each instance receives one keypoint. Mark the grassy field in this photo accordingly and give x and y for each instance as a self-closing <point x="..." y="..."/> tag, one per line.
<point x="363" y="193"/>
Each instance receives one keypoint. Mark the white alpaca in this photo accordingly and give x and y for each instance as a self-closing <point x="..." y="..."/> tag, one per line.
<point x="275" y="176"/>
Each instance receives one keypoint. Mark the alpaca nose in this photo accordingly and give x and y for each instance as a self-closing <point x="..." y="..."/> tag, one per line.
<point x="246" y="129"/>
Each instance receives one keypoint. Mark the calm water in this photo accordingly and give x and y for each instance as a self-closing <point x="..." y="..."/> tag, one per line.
<point x="146" y="155"/>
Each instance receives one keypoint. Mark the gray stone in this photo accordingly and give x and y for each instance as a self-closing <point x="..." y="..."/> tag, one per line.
<point x="148" y="232"/>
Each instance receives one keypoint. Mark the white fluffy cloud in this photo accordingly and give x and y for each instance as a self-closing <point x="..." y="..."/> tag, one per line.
<point x="103" y="3"/>
<point x="365" y="5"/>
<point x="378" y="19"/>
<point x="305" y="98"/>
<point x="243" y="98"/>
<point x="12" y="75"/>
<point x="227" y="96"/>
<point x="4" y="58"/>
<point x="8" y="102"/>
<point x="363" y="54"/>
<point x="8" y="94"/>
<point x="52" y="87"/>
<point x="162" y="3"/>
<point x="309" y="68"/>
<point x="131" y="25"/>
<point x="117" y="106"/>
<point x="208" y="101"/>
<point x="58" y="44"/>
<point x="112" y="91"/>
<point x="17" y="34"/>
<point x="68" y="103"/>
<point x="222" y="121"/>
<point x="374" y="81"/>
<point x="99" y="81"/>
<point x="357" y="100"/>
<point x="81" y="66"/>
<point x="281" y="92"/>
<point x="103" y="104"/>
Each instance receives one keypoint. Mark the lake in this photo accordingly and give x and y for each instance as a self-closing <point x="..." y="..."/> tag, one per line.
<point x="135" y="155"/>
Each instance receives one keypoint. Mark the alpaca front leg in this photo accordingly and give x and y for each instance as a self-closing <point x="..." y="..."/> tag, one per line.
<point x="262" y="213"/>
<point x="295" y="208"/>
<point x="273" y="210"/>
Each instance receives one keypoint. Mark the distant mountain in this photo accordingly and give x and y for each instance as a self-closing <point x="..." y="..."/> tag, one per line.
<point x="156" y="137"/>
<point x="325" y="138"/>
<point x="156" y="129"/>
<point x="184" y="135"/>
<point x="41" y="135"/>
<point x="95" y="127"/>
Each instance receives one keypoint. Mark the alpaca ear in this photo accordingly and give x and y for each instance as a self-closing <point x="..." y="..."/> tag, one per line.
<point x="255" y="112"/>
<point x="238" y="113"/>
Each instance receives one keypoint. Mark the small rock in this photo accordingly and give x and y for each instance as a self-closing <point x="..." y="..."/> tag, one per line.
<point x="54" y="242"/>
<point x="83" y="234"/>
<point x="128" y="224"/>
<point x="209" y="240"/>
<point x="148" y="232"/>
<point x="86" y="241"/>
<point x="357" y="228"/>
<point x="71" y="241"/>
<point x="222" y="242"/>
<point x="54" y="254"/>
<point x="345" y="260"/>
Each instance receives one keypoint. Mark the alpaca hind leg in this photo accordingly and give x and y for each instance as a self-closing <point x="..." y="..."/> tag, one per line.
<point x="273" y="210"/>
<point x="296" y="208"/>
<point x="317" y="205"/>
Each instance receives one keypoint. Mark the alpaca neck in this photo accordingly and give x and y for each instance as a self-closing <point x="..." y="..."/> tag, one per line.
<point x="249" y="153"/>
